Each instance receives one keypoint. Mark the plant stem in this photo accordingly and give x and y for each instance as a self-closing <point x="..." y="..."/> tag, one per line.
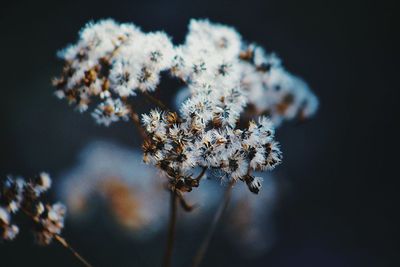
<point x="203" y="171"/>
<point x="171" y="231"/>
<point x="63" y="242"/>
<point x="155" y="101"/>
<point x="136" y="121"/>
<point x="217" y="217"/>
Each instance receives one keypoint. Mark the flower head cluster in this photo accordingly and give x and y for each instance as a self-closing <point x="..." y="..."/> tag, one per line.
<point x="205" y="134"/>
<point x="111" y="62"/>
<point x="214" y="52"/>
<point x="225" y="78"/>
<point x="19" y="195"/>
<point x="177" y="147"/>
<point x="272" y="90"/>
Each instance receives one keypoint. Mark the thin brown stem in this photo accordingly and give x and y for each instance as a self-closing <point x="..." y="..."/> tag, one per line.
<point x="184" y="204"/>
<point x="203" y="171"/>
<point x="65" y="244"/>
<point x="171" y="231"/>
<point x="155" y="101"/>
<point x="136" y="121"/>
<point x="61" y="240"/>
<point x="217" y="217"/>
<point x="135" y="118"/>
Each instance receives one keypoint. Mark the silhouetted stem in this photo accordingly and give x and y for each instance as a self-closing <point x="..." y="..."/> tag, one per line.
<point x="217" y="217"/>
<point x="184" y="204"/>
<point x="171" y="231"/>
<point x="136" y="121"/>
<point x="155" y="101"/>
<point x="63" y="242"/>
<point x="203" y="171"/>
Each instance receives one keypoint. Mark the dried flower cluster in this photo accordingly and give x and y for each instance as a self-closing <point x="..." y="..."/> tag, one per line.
<point x="25" y="196"/>
<point x="269" y="89"/>
<point x="235" y="94"/>
<point x="109" y="63"/>
<point x="272" y="90"/>
<point x="227" y="80"/>
<point x="205" y="134"/>
<point x="178" y="147"/>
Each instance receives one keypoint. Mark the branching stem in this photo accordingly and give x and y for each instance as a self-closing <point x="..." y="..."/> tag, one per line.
<point x="136" y="121"/>
<point x="155" y="101"/>
<point x="203" y="171"/>
<point x="217" y="217"/>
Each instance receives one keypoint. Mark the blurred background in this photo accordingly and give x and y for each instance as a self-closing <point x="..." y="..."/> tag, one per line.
<point x="337" y="189"/>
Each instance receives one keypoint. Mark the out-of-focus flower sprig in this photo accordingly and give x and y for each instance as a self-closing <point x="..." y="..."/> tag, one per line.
<point x="18" y="195"/>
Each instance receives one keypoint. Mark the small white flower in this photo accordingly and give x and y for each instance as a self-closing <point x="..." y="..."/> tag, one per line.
<point x="59" y="94"/>
<point x="4" y="216"/>
<point x="111" y="110"/>
<point x="57" y="212"/>
<point x="10" y="232"/>
<point x="122" y="78"/>
<point x="204" y="35"/>
<point x="43" y="182"/>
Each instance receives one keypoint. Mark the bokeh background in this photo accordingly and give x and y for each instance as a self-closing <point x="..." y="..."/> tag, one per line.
<point x="338" y="189"/>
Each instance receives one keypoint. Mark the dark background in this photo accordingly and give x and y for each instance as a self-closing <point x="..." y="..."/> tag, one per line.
<point x="339" y="199"/>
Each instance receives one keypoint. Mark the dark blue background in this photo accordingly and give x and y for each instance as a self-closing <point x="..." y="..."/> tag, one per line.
<point x="338" y="200"/>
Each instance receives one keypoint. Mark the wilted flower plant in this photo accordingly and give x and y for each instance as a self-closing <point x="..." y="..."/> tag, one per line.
<point x="228" y="81"/>
<point x="112" y="62"/>
<point x="235" y="95"/>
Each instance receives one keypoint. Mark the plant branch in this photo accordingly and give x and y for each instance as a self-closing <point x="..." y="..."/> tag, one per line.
<point x="136" y="121"/>
<point x="61" y="240"/>
<point x="64" y="243"/>
<point x="184" y="204"/>
<point x="171" y="230"/>
<point x="203" y="171"/>
<point x="217" y="217"/>
<point x="155" y="101"/>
